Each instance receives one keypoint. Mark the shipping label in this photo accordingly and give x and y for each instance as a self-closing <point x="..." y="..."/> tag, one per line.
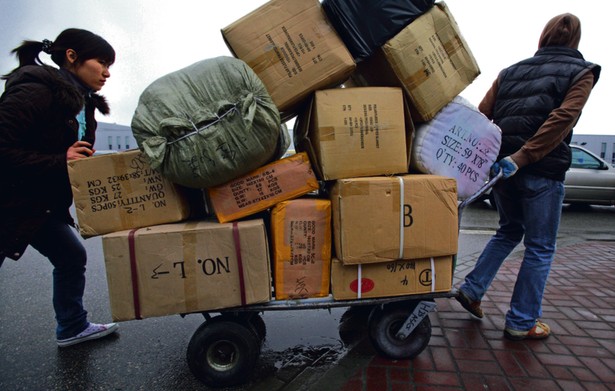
<point x="462" y="151"/>
<point x="138" y="189"/>
<point x="294" y="51"/>
<point x="362" y="121"/>
<point x="256" y="188"/>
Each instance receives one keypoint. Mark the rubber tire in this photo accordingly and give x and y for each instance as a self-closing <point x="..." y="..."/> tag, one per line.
<point x="258" y="324"/>
<point x="247" y="318"/>
<point x="223" y="353"/>
<point x="384" y="325"/>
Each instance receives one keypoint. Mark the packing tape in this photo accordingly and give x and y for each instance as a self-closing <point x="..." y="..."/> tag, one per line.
<point x="359" y="279"/>
<point x="401" y="217"/>
<point x="133" y="274"/>
<point x="327" y="133"/>
<point x="242" y="286"/>
<point x="188" y="238"/>
<point x="414" y="80"/>
<point x="433" y="274"/>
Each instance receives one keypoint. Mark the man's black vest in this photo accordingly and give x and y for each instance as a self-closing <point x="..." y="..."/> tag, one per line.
<point x="528" y="91"/>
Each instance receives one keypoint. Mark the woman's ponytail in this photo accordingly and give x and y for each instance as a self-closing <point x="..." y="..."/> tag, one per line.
<point x="27" y="53"/>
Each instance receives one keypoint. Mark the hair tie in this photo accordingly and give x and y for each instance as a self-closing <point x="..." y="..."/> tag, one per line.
<point x="47" y="46"/>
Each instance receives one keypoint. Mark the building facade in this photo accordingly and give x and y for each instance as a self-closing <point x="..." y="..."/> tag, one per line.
<point x="114" y="137"/>
<point x="600" y="144"/>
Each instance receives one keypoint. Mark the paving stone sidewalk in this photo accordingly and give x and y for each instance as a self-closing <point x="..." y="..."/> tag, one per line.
<point x="466" y="353"/>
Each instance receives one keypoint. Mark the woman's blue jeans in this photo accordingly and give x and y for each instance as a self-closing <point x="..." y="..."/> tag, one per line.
<point x="530" y="208"/>
<point x="57" y="241"/>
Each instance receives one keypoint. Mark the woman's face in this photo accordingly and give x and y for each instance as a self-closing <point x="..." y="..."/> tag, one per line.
<point x="93" y="73"/>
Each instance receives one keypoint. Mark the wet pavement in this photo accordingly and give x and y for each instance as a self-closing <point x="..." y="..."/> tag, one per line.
<point x="466" y="353"/>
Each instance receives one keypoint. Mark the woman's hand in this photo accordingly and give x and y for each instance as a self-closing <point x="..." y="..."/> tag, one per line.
<point x="79" y="150"/>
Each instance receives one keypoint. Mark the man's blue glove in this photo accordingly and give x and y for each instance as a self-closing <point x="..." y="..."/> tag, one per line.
<point x="507" y="165"/>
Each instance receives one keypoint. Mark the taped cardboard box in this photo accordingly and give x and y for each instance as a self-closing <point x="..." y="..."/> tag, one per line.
<point x="292" y="47"/>
<point x="301" y="238"/>
<point x="356" y="132"/>
<point x="396" y="278"/>
<point x="186" y="267"/>
<point x="429" y="58"/>
<point x="382" y="219"/>
<point x="120" y="191"/>
<point x="261" y="189"/>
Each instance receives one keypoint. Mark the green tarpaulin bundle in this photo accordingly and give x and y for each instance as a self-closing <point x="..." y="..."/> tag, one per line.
<point x="208" y="123"/>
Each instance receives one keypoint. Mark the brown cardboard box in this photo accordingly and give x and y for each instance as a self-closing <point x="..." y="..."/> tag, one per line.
<point x="429" y="58"/>
<point x="381" y="219"/>
<point x="120" y="191"/>
<point x="186" y="267"/>
<point x="301" y="238"/>
<point x="396" y="278"/>
<point x="356" y="132"/>
<point x="261" y="189"/>
<point x="292" y="48"/>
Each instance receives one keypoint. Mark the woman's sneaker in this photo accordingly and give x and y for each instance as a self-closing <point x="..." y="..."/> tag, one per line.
<point x="93" y="331"/>
<point x="539" y="331"/>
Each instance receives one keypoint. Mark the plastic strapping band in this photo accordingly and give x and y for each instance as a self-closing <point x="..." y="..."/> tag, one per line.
<point x="433" y="274"/>
<point x="401" y="217"/>
<point x="198" y="130"/>
<point x="242" y="287"/>
<point x="133" y="273"/>
<point x="360" y="278"/>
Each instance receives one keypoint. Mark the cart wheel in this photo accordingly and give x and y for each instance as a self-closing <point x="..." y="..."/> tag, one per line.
<point x="258" y="324"/>
<point x="383" y="327"/>
<point x="249" y="319"/>
<point x="223" y="353"/>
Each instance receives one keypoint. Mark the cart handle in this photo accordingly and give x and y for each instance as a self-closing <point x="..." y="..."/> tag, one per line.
<point x="488" y="185"/>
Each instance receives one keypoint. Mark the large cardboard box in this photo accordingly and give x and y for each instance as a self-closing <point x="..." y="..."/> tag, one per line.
<point x="292" y="47"/>
<point x="430" y="59"/>
<point x="261" y="189"/>
<point x="356" y="132"/>
<point x="301" y="239"/>
<point x="186" y="267"/>
<point x="120" y="191"/>
<point x="381" y="219"/>
<point x="396" y="278"/>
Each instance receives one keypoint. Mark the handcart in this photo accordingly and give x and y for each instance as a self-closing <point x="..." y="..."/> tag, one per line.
<point x="223" y="351"/>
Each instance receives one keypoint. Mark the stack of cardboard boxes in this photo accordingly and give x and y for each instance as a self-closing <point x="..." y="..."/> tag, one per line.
<point x="343" y="216"/>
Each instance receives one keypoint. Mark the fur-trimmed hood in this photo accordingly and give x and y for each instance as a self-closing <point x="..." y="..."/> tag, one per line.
<point x="65" y="93"/>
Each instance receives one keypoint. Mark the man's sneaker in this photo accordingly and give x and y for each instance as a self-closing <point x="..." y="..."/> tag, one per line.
<point x="470" y="305"/>
<point x="539" y="331"/>
<point x="93" y="331"/>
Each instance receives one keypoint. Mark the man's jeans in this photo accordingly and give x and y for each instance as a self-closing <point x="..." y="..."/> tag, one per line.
<point x="528" y="205"/>
<point x="57" y="241"/>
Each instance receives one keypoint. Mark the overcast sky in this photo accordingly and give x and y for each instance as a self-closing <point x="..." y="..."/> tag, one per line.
<point x="156" y="37"/>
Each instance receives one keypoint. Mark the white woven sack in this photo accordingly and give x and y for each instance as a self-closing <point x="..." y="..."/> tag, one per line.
<point x="459" y="142"/>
